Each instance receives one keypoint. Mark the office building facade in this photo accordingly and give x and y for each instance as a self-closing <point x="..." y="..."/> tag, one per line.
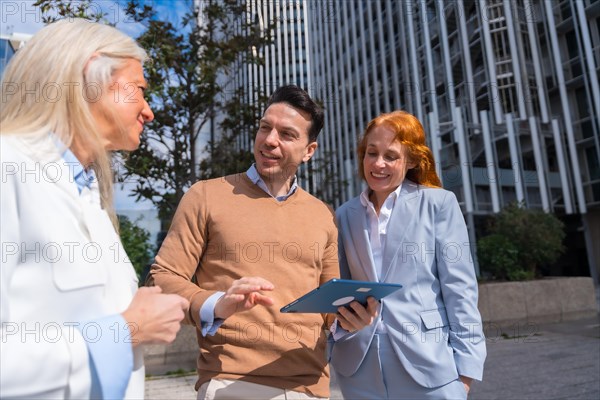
<point x="507" y="91"/>
<point x="286" y="60"/>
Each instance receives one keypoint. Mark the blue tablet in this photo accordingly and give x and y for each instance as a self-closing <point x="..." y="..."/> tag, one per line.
<point x="339" y="292"/>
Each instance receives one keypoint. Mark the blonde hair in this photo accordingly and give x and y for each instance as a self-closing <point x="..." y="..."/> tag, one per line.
<point x="410" y="133"/>
<point x="48" y="85"/>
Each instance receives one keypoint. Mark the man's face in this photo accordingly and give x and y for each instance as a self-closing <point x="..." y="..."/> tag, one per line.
<point x="281" y="143"/>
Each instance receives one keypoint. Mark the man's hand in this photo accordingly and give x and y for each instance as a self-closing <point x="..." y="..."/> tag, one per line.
<point x="358" y="316"/>
<point x="154" y="317"/>
<point x="243" y="295"/>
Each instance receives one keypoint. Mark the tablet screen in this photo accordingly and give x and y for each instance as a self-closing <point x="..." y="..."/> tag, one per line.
<point x="339" y="292"/>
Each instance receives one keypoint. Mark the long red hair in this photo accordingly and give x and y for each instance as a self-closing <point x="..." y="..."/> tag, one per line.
<point x="410" y="133"/>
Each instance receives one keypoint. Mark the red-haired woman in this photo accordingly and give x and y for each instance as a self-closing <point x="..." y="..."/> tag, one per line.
<point x="426" y="340"/>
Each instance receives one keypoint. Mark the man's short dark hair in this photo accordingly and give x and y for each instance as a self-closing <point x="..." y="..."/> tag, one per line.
<point x="298" y="98"/>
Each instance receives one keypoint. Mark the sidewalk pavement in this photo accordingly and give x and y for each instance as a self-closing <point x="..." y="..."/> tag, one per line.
<point x="525" y="362"/>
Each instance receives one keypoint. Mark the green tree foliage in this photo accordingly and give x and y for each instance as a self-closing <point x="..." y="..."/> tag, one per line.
<point x="500" y="258"/>
<point x="136" y="242"/>
<point x="536" y="238"/>
<point x="192" y="88"/>
<point x="53" y="10"/>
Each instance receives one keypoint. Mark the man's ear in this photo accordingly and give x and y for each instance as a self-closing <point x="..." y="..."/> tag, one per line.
<point x="310" y="151"/>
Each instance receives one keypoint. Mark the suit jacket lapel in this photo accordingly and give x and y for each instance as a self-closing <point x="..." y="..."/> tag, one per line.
<point x="357" y="223"/>
<point x="401" y="220"/>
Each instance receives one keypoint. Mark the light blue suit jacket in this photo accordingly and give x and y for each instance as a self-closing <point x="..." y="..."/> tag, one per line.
<point x="433" y="321"/>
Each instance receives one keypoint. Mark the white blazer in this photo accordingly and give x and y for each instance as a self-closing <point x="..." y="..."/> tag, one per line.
<point x="62" y="265"/>
<point x="433" y="321"/>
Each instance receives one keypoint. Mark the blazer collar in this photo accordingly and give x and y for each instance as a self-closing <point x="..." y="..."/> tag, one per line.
<point x="404" y="210"/>
<point x="357" y="223"/>
<point x="400" y="223"/>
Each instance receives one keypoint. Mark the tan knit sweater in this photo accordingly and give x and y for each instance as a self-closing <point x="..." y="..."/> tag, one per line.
<point x="228" y="228"/>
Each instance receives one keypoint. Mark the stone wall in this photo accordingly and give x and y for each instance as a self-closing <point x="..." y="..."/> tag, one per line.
<point x="540" y="301"/>
<point x="179" y="356"/>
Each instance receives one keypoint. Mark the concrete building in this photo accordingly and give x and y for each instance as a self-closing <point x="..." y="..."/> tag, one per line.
<point x="507" y="91"/>
<point x="287" y="60"/>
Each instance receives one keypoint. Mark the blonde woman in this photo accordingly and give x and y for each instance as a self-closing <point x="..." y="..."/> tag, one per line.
<point x="424" y="341"/>
<point x="73" y="321"/>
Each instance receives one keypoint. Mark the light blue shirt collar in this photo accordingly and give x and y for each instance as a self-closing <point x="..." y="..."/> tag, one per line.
<point x="253" y="175"/>
<point x="81" y="177"/>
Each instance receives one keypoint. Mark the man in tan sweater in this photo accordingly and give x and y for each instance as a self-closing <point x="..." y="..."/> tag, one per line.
<point x="241" y="247"/>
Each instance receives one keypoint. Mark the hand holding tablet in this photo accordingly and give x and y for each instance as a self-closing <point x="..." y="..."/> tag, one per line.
<point x="339" y="292"/>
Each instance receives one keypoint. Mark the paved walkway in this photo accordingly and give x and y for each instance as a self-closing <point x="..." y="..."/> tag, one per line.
<point x="558" y="361"/>
<point x="525" y="362"/>
<point x="166" y="387"/>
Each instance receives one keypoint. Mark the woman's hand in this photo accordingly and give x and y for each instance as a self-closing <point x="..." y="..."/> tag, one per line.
<point x="154" y="317"/>
<point x="356" y="316"/>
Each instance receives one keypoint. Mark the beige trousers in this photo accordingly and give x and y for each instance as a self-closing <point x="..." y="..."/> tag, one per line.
<point x="226" y="389"/>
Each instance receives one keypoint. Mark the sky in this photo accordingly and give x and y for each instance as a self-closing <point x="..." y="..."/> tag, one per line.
<point x="20" y="16"/>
